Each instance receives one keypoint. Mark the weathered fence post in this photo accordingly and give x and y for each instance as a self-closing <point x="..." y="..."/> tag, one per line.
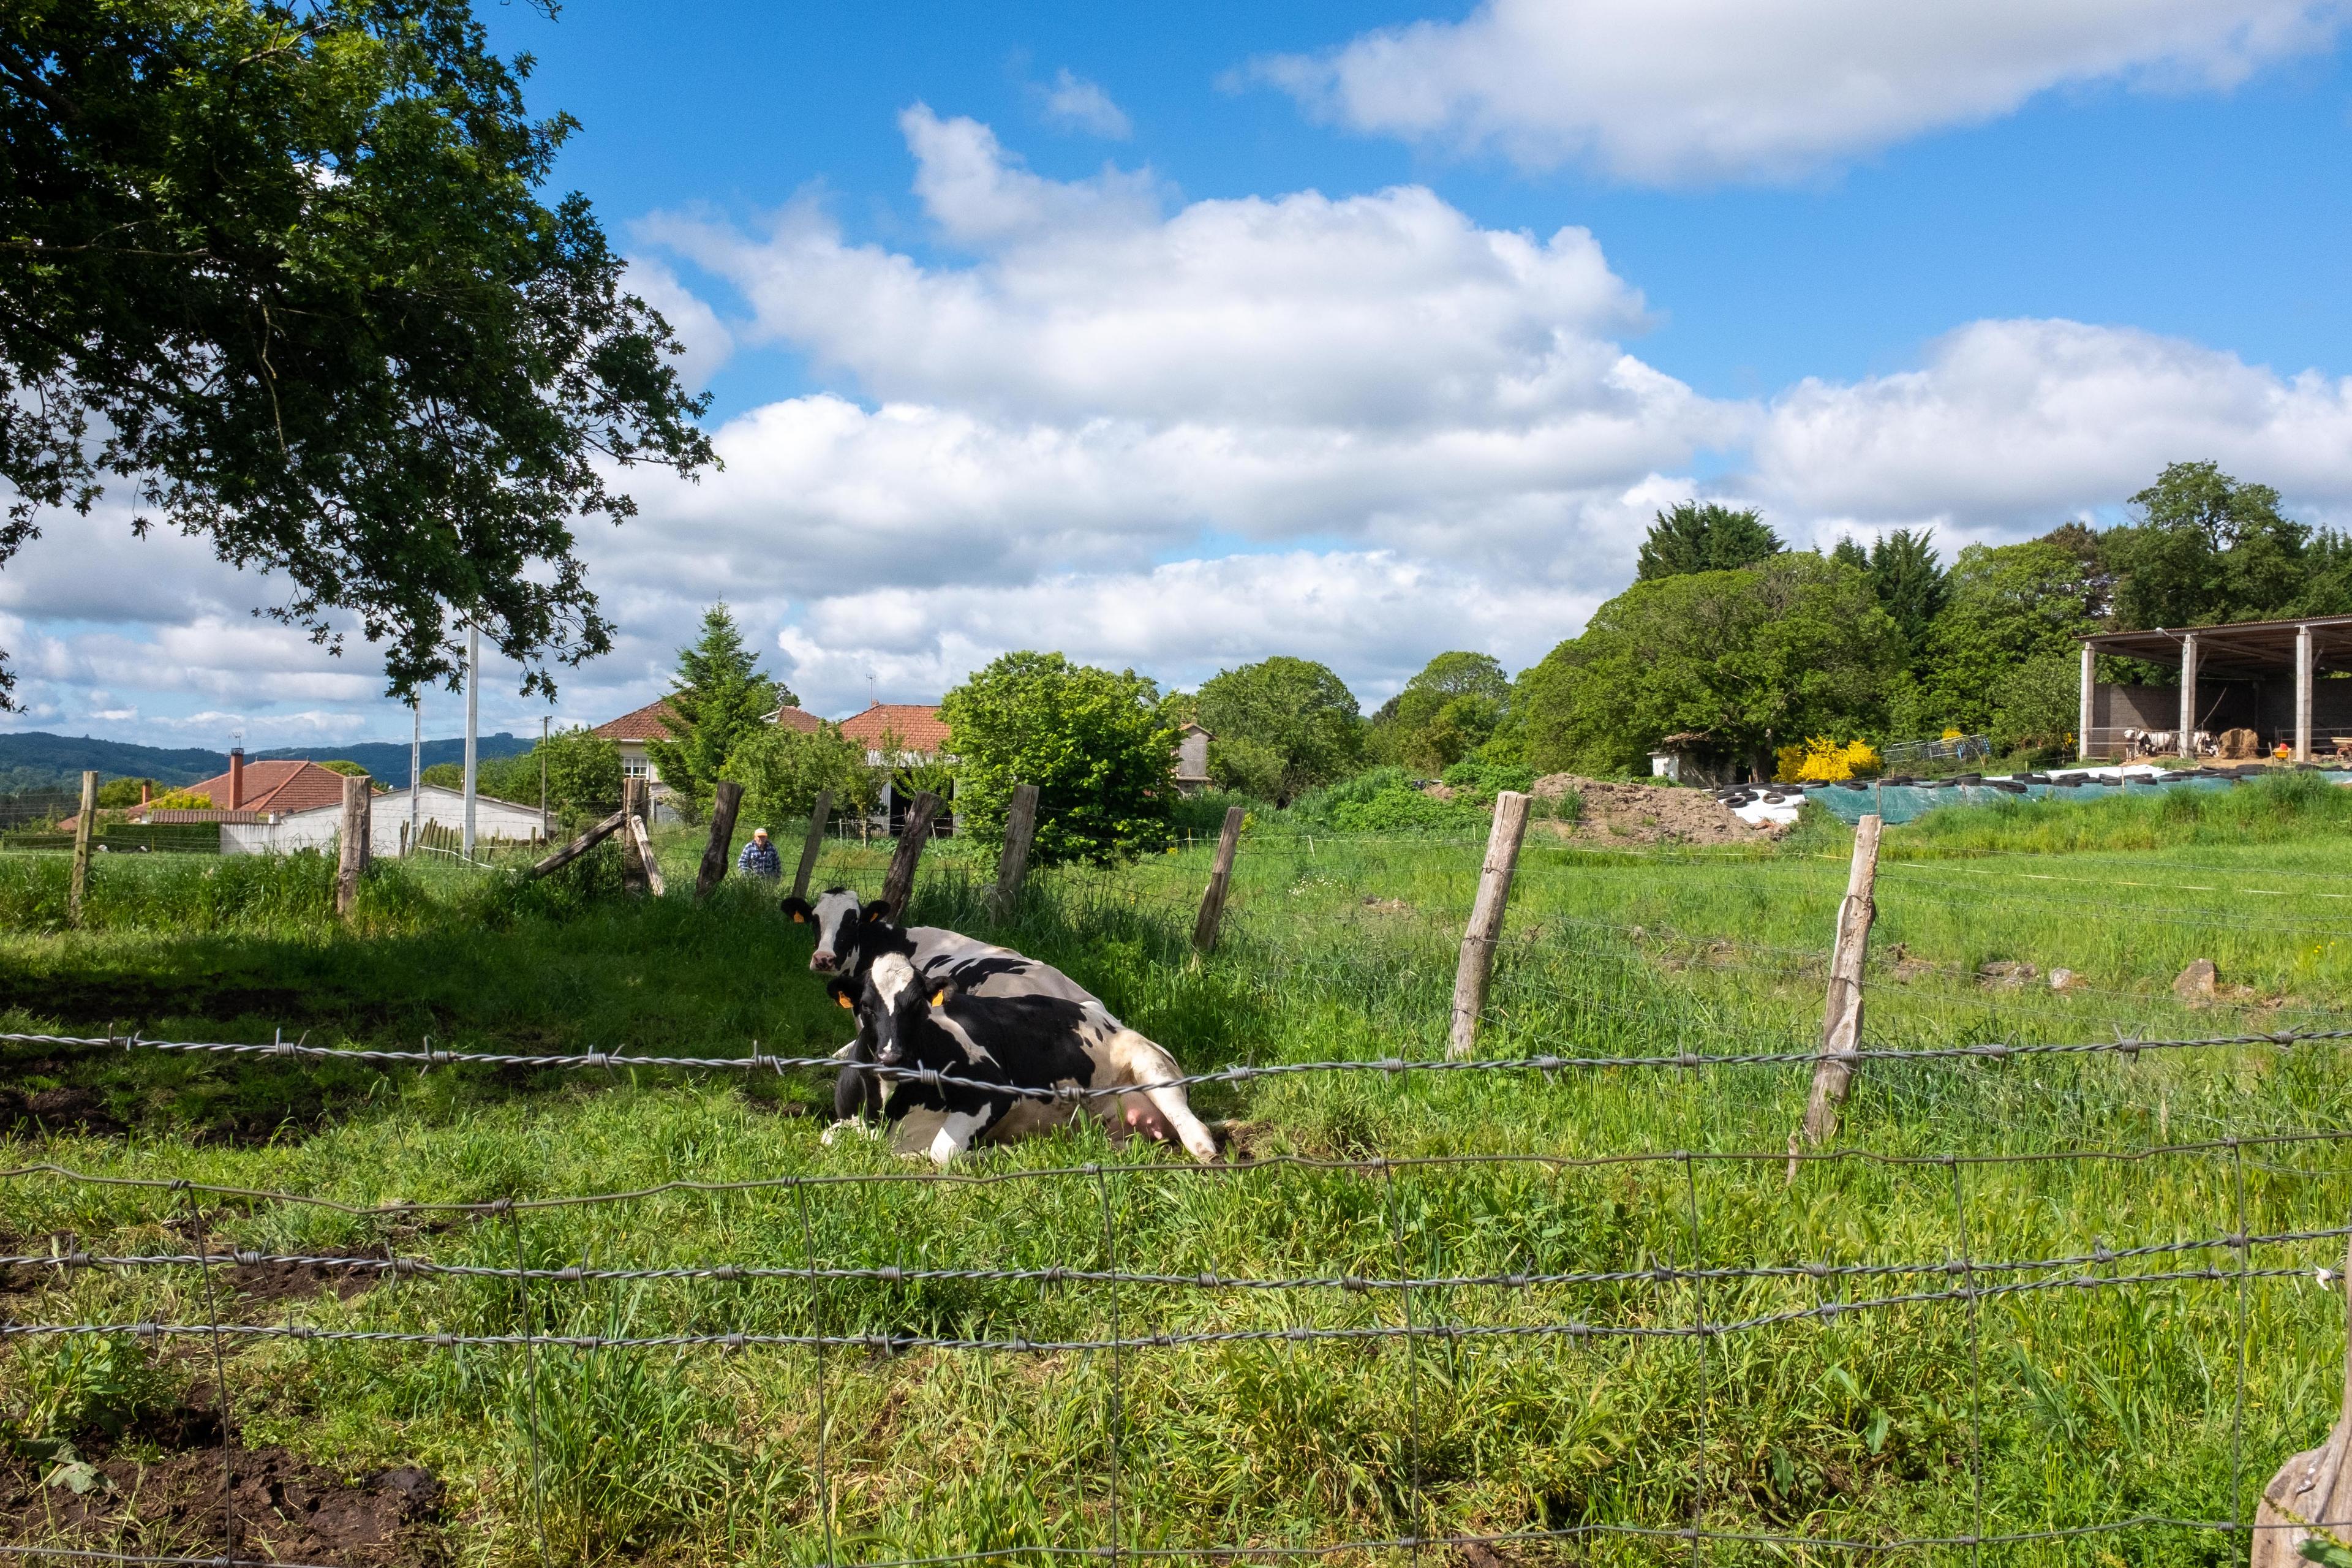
<point x="1842" y="1014"/>
<point x="2313" y="1489"/>
<point x="351" y="860"/>
<point x="570" y="852"/>
<point x="724" y="803"/>
<point x="1013" y="866"/>
<point x="1476" y="965"/>
<point x="85" y="825"/>
<point x="636" y="866"/>
<point x="819" y="815"/>
<point x="898" y="882"/>
<point x="1212" y="902"/>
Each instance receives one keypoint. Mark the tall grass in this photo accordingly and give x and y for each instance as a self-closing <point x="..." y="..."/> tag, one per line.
<point x="2073" y="1407"/>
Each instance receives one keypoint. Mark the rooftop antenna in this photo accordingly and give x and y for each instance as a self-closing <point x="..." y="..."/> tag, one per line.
<point x="869" y="689"/>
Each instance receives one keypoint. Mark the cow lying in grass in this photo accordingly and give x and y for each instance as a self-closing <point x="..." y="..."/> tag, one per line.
<point x="928" y="998"/>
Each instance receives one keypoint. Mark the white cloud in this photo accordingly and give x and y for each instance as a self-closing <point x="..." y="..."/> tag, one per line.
<point x="1678" y="91"/>
<point x="1082" y="105"/>
<point x="706" y="342"/>
<point x="1372" y="614"/>
<point x="2015" y="425"/>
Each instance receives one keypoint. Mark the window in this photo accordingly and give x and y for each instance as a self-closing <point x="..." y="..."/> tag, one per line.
<point x="636" y="768"/>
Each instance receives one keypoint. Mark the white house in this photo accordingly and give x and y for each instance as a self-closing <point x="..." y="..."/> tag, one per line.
<point x="319" y="828"/>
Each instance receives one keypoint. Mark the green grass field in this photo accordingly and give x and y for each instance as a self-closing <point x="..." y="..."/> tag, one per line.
<point x="1920" y="1413"/>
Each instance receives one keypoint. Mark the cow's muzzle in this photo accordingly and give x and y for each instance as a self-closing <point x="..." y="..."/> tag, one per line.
<point x="821" y="961"/>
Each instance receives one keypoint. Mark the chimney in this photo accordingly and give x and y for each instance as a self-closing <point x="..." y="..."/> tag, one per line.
<point x="146" y="792"/>
<point x="236" y="778"/>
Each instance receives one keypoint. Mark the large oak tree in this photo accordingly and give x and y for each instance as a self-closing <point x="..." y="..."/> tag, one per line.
<point x="281" y="267"/>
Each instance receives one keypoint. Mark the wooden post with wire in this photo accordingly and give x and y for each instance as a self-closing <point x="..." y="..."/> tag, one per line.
<point x="85" y="825"/>
<point x="1475" y="968"/>
<point x="898" y="882"/>
<point x="1012" y="864"/>
<point x="635" y="868"/>
<point x="1841" y="1012"/>
<point x="819" y="815"/>
<point x="1212" y="902"/>
<point x="2312" y="1492"/>
<point x="352" y="851"/>
<point x="726" y="800"/>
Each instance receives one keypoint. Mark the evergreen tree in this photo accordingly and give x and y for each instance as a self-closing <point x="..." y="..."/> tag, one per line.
<point x="1709" y="538"/>
<point x="719" y="695"/>
<point x="1912" y="584"/>
<point x="1849" y="552"/>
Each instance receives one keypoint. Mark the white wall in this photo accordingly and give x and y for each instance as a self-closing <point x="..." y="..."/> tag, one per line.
<point x="320" y="828"/>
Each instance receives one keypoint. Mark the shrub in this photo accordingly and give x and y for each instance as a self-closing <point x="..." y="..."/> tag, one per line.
<point x="1824" y="760"/>
<point x="1093" y="742"/>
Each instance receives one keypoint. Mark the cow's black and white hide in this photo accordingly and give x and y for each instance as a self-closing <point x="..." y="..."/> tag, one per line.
<point x="984" y="1035"/>
<point x="851" y="933"/>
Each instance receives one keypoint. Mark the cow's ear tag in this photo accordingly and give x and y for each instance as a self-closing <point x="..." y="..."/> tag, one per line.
<point x="940" y="997"/>
<point x="843" y="1000"/>
<point x="799" y="918"/>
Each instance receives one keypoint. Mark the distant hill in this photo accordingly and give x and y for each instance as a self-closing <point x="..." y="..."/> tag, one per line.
<point x="32" y="760"/>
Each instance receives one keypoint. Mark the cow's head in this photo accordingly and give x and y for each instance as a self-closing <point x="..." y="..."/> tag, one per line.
<point x="893" y="1004"/>
<point x="841" y="924"/>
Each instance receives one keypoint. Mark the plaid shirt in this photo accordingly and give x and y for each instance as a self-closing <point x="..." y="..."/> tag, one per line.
<point x="760" y="859"/>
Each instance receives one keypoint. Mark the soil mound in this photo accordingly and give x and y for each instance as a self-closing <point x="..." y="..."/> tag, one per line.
<point x="1647" y="814"/>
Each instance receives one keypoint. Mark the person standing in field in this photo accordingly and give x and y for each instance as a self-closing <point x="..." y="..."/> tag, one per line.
<point x="760" y="859"/>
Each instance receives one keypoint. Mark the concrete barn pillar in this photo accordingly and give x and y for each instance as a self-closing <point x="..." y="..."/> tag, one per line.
<point x="2090" y="691"/>
<point x="2302" y="673"/>
<point x="2188" y="695"/>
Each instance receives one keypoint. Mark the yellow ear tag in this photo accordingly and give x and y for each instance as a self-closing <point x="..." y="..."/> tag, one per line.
<point x="843" y="1000"/>
<point x="799" y="918"/>
<point x="938" y="998"/>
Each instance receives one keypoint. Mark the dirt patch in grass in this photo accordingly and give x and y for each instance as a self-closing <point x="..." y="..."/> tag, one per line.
<point x="1646" y="814"/>
<point x="65" y="1108"/>
<point x="267" y="1281"/>
<point x="281" y="1506"/>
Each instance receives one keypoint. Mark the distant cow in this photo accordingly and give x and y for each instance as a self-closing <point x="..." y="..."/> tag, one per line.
<point x="932" y="999"/>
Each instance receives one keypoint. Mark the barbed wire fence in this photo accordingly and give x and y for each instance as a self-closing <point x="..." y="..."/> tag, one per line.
<point x="1398" y="1302"/>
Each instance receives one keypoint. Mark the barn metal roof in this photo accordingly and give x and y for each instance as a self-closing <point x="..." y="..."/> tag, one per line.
<point x="2240" y="649"/>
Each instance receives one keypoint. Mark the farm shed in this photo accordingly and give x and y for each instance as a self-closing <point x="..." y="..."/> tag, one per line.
<point x="2254" y="675"/>
<point x="1192" y="759"/>
<point x="283" y="833"/>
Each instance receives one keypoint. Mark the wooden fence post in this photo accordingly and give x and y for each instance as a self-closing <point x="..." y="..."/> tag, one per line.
<point x="1212" y="902"/>
<point x="1476" y="965"/>
<point x="724" y="803"/>
<point x="2313" y="1489"/>
<point x="570" y="852"/>
<point x="898" y="883"/>
<point x="1013" y="866"/>
<point x="633" y="868"/>
<point x="85" y="825"/>
<point x="351" y="858"/>
<point x="819" y="815"/>
<point x="1842" y="1014"/>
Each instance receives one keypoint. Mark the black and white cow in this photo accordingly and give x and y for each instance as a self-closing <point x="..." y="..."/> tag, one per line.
<point x="930" y="998"/>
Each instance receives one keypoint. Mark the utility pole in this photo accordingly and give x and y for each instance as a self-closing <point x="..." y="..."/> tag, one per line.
<point x="542" y="776"/>
<point x="416" y="761"/>
<point x="473" y="722"/>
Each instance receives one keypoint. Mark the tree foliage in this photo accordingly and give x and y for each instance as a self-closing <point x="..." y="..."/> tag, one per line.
<point x="283" y="266"/>
<point x="1093" y="742"/>
<point x="718" y="698"/>
<point x="1283" y="726"/>
<point x="1446" y="712"/>
<point x="782" y="770"/>
<point x="1705" y="538"/>
<point x="2010" y="605"/>
<point x="583" y="776"/>
<point x="2206" y="549"/>
<point x="1748" y="658"/>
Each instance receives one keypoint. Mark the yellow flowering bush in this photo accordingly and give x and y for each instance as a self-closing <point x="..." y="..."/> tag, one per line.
<point x="1826" y="761"/>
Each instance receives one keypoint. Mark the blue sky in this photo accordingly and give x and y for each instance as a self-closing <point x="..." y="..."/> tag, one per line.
<point x="1175" y="339"/>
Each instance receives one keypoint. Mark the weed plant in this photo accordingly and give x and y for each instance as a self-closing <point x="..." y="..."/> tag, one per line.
<point x="1924" y="1414"/>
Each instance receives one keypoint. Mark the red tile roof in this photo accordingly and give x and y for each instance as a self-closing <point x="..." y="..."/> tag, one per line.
<point x="650" y="722"/>
<point x="271" y="786"/>
<point x="918" y="726"/>
<point x="796" y="719"/>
